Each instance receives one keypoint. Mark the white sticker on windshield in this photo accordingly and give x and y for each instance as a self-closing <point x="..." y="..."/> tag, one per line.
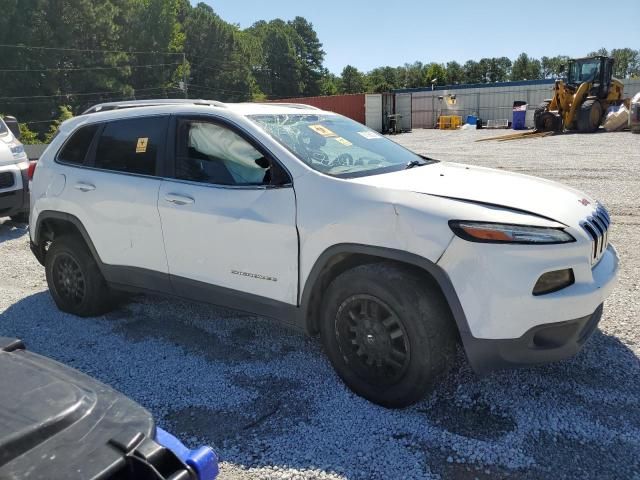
<point x="369" y="135"/>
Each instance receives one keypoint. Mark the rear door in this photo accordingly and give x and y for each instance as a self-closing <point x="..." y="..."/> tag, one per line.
<point x="116" y="197"/>
<point x="228" y="216"/>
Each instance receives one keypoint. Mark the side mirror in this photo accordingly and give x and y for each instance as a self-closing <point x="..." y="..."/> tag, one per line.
<point x="12" y="124"/>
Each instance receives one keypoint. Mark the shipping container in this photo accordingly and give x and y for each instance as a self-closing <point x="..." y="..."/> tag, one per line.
<point x="352" y="106"/>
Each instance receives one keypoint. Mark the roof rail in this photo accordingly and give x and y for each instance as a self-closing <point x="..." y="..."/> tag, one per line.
<point x="104" y="107"/>
<point x="301" y="106"/>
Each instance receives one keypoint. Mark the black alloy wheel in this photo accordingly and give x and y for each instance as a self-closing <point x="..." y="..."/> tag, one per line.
<point x="68" y="279"/>
<point x="372" y="339"/>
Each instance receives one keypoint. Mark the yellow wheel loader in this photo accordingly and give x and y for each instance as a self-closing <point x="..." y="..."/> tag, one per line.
<point x="582" y="101"/>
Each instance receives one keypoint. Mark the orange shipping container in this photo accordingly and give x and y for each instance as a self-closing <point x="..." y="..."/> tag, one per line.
<point x="351" y="106"/>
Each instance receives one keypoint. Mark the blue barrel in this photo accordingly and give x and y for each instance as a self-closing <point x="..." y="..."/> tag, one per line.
<point x="472" y="120"/>
<point x="519" y="115"/>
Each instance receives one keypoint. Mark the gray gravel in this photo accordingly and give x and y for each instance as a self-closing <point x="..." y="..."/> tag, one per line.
<point x="269" y="402"/>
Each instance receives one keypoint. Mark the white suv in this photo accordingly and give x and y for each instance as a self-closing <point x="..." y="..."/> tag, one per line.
<point x="14" y="168"/>
<point x="308" y="217"/>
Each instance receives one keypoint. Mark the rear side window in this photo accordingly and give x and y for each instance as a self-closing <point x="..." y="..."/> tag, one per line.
<point x="132" y="146"/>
<point x="76" y="148"/>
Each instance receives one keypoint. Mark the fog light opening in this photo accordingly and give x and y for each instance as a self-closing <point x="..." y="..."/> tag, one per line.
<point x="553" y="281"/>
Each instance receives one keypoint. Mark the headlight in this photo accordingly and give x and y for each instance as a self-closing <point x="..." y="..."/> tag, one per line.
<point x="487" y="232"/>
<point x="17" y="150"/>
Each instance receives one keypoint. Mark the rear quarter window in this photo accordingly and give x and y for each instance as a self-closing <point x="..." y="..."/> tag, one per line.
<point x="76" y="148"/>
<point x="132" y="145"/>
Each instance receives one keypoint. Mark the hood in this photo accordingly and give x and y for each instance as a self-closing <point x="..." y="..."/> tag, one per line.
<point x="533" y="195"/>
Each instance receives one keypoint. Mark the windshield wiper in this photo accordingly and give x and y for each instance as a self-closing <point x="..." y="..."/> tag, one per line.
<point x="415" y="163"/>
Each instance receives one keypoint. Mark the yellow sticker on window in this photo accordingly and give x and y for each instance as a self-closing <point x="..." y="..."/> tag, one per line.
<point x="141" y="147"/>
<point x="324" y="131"/>
<point x="344" y="141"/>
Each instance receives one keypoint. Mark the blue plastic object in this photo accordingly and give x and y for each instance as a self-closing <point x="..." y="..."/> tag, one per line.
<point x="472" y="120"/>
<point x="203" y="460"/>
<point x="519" y="120"/>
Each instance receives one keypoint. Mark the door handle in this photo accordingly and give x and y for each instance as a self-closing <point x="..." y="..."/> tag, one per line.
<point x="179" y="200"/>
<point x="85" y="187"/>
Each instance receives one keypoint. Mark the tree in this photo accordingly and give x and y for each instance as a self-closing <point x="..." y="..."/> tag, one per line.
<point x="352" y="80"/>
<point x="329" y="84"/>
<point x="526" y="68"/>
<point x="383" y="79"/>
<point x="414" y="75"/>
<point x="280" y="71"/>
<point x="223" y="57"/>
<point x="65" y="114"/>
<point x="554" y="67"/>
<point x="311" y="54"/>
<point x="455" y="73"/>
<point x="626" y="62"/>
<point x="473" y="72"/>
<point x="27" y="136"/>
<point x="600" y="52"/>
<point x="437" y="72"/>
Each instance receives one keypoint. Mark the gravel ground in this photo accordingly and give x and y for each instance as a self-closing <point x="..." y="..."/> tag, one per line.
<point x="269" y="402"/>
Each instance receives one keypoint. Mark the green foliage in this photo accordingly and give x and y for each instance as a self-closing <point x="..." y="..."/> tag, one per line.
<point x="437" y="72"/>
<point x="526" y="68"/>
<point x="554" y="67"/>
<point x="106" y="50"/>
<point x="352" y="80"/>
<point x="27" y="136"/>
<point x="65" y="114"/>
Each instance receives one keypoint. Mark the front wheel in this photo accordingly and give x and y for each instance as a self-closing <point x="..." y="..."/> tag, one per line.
<point x="388" y="333"/>
<point x="589" y="116"/>
<point x="74" y="280"/>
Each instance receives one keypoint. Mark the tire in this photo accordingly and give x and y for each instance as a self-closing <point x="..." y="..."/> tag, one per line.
<point x="22" y="217"/>
<point x="388" y="333"/>
<point x="74" y="280"/>
<point x="589" y="116"/>
<point x="543" y="107"/>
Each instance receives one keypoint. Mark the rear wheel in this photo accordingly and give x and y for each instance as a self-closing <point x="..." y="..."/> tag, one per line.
<point x="74" y="280"/>
<point x="589" y="116"/>
<point x="388" y="333"/>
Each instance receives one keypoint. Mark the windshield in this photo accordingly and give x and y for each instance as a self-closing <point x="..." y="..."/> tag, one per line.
<point x="336" y="145"/>
<point x="585" y="71"/>
<point x="3" y="128"/>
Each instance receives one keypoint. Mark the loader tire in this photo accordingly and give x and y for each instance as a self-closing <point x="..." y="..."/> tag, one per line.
<point x="548" y="122"/>
<point x="589" y="116"/>
<point x="543" y="107"/>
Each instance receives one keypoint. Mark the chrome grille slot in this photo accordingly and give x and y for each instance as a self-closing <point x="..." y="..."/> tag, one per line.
<point x="597" y="226"/>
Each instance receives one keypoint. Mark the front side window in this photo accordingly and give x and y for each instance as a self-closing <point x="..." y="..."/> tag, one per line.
<point x="336" y="145"/>
<point x="585" y="71"/>
<point x="132" y="145"/>
<point x="212" y="153"/>
<point x="76" y="148"/>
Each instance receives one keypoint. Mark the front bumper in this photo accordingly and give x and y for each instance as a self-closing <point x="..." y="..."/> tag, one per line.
<point x="542" y="344"/>
<point x="15" y="199"/>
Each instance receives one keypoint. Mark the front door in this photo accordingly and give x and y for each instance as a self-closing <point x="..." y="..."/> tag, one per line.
<point x="228" y="217"/>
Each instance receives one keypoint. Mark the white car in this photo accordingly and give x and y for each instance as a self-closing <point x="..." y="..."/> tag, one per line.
<point x="14" y="167"/>
<point x="306" y="216"/>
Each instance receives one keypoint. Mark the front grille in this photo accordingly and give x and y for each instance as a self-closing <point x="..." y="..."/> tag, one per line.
<point x="7" y="180"/>
<point x="597" y="226"/>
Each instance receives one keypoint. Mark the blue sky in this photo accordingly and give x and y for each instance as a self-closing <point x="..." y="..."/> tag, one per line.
<point x="371" y="33"/>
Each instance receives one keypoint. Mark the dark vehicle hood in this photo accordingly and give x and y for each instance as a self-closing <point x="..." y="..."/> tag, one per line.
<point x="58" y="423"/>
